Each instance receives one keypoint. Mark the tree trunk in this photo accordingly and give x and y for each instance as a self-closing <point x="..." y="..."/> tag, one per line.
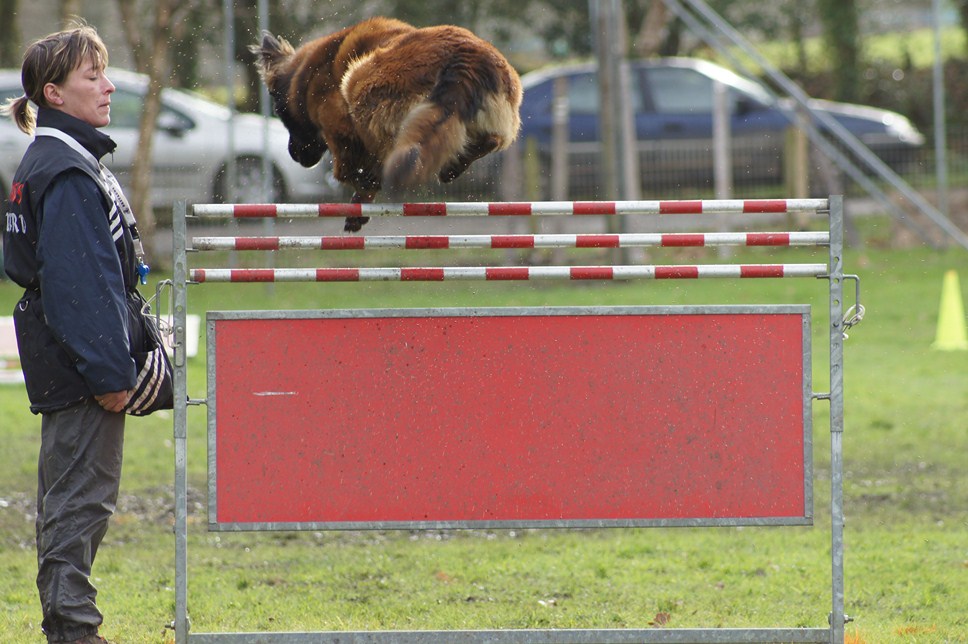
<point x="10" y="54"/>
<point x="842" y="37"/>
<point x="962" y="7"/>
<point x="131" y="26"/>
<point x="157" y="73"/>
<point x="653" y="31"/>
<point x="69" y="10"/>
<point x="798" y="17"/>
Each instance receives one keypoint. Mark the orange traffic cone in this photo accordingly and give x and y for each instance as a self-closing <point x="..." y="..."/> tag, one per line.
<point x="952" y="334"/>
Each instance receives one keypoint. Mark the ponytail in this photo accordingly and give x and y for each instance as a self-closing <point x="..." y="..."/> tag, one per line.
<point x="22" y="114"/>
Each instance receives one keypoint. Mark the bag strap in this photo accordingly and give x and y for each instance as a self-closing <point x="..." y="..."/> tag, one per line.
<point x="112" y="190"/>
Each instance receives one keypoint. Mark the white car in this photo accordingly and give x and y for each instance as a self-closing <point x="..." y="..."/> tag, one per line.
<point x="191" y="148"/>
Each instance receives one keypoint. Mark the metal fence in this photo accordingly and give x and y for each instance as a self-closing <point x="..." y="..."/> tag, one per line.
<point x="762" y="167"/>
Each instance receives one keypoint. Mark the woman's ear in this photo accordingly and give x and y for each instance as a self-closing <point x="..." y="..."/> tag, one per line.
<point x="52" y="94"/>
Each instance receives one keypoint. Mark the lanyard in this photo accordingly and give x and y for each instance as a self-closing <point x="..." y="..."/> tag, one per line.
<point x="112" y="188"/>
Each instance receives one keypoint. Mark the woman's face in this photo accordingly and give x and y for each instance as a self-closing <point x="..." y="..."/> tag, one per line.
<point x="84" y="94"/>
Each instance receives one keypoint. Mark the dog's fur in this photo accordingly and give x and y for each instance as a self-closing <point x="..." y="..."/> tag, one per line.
<point x="395" y="105"/>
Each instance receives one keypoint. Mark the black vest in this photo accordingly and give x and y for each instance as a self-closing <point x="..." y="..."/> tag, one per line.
<point x="53" y="382"/>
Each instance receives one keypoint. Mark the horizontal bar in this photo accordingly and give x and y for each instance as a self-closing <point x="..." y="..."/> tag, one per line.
<point x="521" y="636"/>
<point x="473" y="208"/>
<point x="321" y="526"/>
<point x="429" y="242"/>
<point x="504" y="273"/>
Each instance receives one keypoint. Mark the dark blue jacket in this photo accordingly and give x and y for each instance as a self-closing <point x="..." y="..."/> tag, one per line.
<point x="66" y="244"/>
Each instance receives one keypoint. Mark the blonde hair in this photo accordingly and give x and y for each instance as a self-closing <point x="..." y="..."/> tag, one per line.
<point x="50" y="60"/>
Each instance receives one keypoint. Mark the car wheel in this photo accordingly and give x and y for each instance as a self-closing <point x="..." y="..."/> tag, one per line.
<point x="249" y="184"/>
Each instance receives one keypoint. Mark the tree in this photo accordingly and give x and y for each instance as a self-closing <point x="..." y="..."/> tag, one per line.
<point x="294" y="20"/>
<point x="69" y="10"/>
<point x="9" y="34"/>
<point x="962" y="6"/>
<point x="653" y="30"/>
<point x="154" y="59"/>
<point x="797" y="18"/>
<point x="841" y="33"/>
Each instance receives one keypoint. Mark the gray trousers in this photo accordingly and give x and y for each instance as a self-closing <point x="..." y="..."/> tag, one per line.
<point x="79" y="472"/>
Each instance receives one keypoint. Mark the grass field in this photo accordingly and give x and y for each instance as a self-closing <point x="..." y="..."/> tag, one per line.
<point x="906" y="489"/>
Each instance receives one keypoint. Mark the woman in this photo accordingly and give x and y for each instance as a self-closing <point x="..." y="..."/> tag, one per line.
<point x="71" y="244"/>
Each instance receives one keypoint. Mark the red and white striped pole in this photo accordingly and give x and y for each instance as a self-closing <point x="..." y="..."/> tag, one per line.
<point x="474" y="209"/>
<point x="502" y="273"/>
<point x="429" y="242"/>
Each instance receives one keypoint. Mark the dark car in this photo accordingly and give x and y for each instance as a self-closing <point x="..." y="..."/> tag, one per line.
<point x="672" y="102"/>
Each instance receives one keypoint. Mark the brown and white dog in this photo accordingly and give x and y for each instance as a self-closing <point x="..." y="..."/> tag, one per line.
<point x="396" y="106"/>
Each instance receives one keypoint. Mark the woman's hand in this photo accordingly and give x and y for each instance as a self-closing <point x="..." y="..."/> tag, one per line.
<point x="114" y="401"/>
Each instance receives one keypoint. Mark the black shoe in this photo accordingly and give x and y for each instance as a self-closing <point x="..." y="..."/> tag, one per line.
<point x="94" y="638"/>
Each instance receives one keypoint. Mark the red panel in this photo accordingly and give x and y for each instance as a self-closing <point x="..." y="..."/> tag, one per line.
<point x="546" y="417"/>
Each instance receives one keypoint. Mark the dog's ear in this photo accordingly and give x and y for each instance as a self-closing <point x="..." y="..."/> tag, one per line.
<point x="271" y="51"/>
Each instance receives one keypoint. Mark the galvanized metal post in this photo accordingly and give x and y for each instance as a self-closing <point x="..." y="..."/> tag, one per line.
<point x="837" y="617"/>
<point x="620" y="173"/>
<point x="940" y="124"/>
<point x="722" y="143"/>
<point x="180" y="287"/>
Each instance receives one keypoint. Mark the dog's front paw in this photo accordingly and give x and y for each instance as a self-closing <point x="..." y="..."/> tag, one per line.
<point x="354" y="224"/>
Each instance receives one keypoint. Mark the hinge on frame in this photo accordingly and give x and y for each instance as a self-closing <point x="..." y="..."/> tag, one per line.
<point x="854" y="314"/>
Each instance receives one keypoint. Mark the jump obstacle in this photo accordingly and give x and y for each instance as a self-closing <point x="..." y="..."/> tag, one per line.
<point x="469" y="428"/>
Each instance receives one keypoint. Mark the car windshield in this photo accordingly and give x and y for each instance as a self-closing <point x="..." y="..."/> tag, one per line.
<point x="126" y="108"/>
<point x="685" y="90"/>
<point x="583" y="93"/>
<point x="187" y="101"/>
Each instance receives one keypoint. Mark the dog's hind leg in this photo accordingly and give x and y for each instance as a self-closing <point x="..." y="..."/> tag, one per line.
<point x="428" y="139"/>
<point x="475" y="151"/>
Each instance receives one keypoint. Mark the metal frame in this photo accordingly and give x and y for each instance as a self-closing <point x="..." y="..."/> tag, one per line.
<point x="833" y="634"/>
